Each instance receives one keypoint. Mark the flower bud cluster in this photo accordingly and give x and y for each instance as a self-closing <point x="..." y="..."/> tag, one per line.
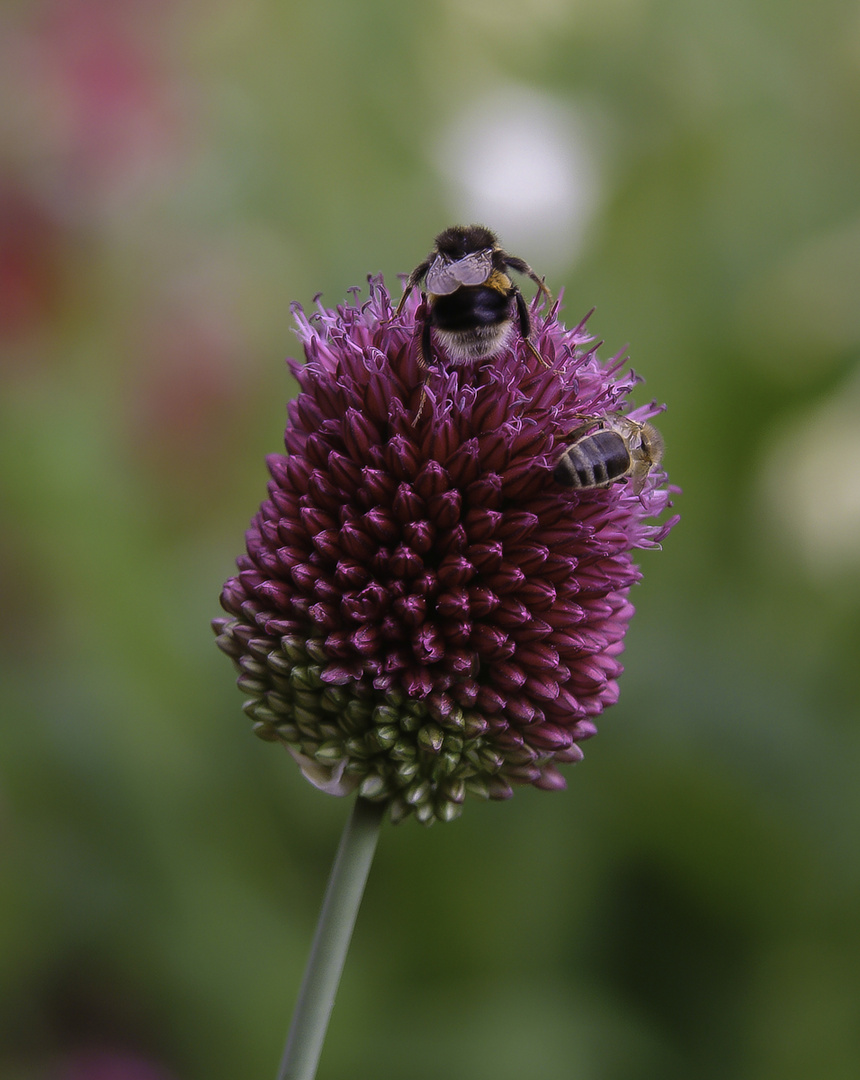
<point x="423" y="611"/>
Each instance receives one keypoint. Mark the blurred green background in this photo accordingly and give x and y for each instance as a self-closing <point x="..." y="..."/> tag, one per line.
<point x="173" y="175"/>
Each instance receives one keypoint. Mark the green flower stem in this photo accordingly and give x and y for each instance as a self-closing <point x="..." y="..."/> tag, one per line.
<point x="331" y="941"/>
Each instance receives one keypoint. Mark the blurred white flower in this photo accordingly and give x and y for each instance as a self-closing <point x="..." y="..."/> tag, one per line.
<point x="522" y="161"/>
<point x="810" y="487"/>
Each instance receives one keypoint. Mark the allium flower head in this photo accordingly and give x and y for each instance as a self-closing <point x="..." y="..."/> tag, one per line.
<point x="423" y="610"/>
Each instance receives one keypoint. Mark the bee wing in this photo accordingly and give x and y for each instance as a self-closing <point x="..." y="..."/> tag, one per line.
<point x="589" y="423"/>
<point x="444" y="278"/>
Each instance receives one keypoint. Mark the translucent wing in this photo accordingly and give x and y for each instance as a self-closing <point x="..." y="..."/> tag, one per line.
<point x="445" y="277"/>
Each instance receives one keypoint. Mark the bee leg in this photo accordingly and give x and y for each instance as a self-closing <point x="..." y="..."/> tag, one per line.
<point x="413" y="279"/>
<point x="420" y="404"/>
<point x="526" y="326"/>
<point x="425" y="351"/>
<point x="522" y="267"/>
<point x="426" y="373"/>
<point x="522" y="313"/>
<point x="639" y="474"/>
<point x="535" y="353"/>
<point x="403" y="299"/>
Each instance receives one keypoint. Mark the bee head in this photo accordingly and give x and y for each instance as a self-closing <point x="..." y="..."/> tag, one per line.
<point x="458" y="241"/>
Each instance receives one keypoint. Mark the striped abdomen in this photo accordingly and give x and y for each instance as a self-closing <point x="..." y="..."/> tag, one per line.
<point x="594" y="461"/>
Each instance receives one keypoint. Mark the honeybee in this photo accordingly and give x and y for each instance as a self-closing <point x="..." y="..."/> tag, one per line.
<point x="606" y="449"/>
<point x="469" y="295"/>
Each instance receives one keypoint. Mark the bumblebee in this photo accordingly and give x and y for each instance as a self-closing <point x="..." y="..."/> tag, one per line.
<point x="606" y="449"/>
<point x="469" y="295"/>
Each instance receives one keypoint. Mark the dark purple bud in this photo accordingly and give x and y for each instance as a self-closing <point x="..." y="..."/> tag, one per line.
<point x="381" y="525"/>
<point x="461" y="661"/>
<point x="529" y="557"/>
<point x="410" y="610"/>
<point x="369" y="604"/>
<point x="377" y="486"/>
<point x="304" y="575"/>
<point x="464" y="467"/>
<point x="550" y="778"/>
<point x="486" y="558"/>
<point x="458" y="633"/>
<point x="431" y="480"/>
<point x="485" y="491"/>
<point x="315" y="520"/>
<point x="324" y="616"/>
<point x="304" y="412"/>
<point x="564" y="614"/>
<point x="345" y="473"/>
<point x="324" y="492"/>
<point x="481" y="525"/>
<point x="491" y="642"/>
<point x="514" y="526"/>
<point x="490" y="701"/>
<point x="418" y="683"/>
<point x="454" y="604"/>
<point x="542" y="687"/>
<point x="455" y="571"/>
<point x="327" y="544"/>
<point x="406" y="505"/>
<point x="508" y="677"/>
<point x="428" y="645"/>
<point x="494" y="449"/>
<point x="521" y="710"/>
<point x="521" y="481"/>
<point x="538" y="656"/>
<point x="538" y="595"/>
<point x="489" y="410"/>
<point x="405" y="563"/>
<point x="377" y="397"/>
<point x="512" y="613"/>
<point x="402" y="457"/>
<point x="350" y="575"/>
<point x="359" y="434"/>
<point x="454" y="542"/>
<point x="356" y="543"/>
<point x="366" y="640"/>
<point x="419" y="535"/>
<point x="317" y="450"/>
<point x="482" y="601"/>
<point x="508" y="578"/>
<point x="275" y="593"/>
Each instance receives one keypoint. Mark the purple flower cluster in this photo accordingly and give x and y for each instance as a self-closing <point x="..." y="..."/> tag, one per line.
<point x="423" y="611"/>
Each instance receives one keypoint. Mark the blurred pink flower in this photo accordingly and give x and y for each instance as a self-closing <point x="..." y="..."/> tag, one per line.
<point x="104" y="1064"/>
<point x="98" y="111"/>
<point x="186" y="398"/>
<point x="31" y="242"/>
